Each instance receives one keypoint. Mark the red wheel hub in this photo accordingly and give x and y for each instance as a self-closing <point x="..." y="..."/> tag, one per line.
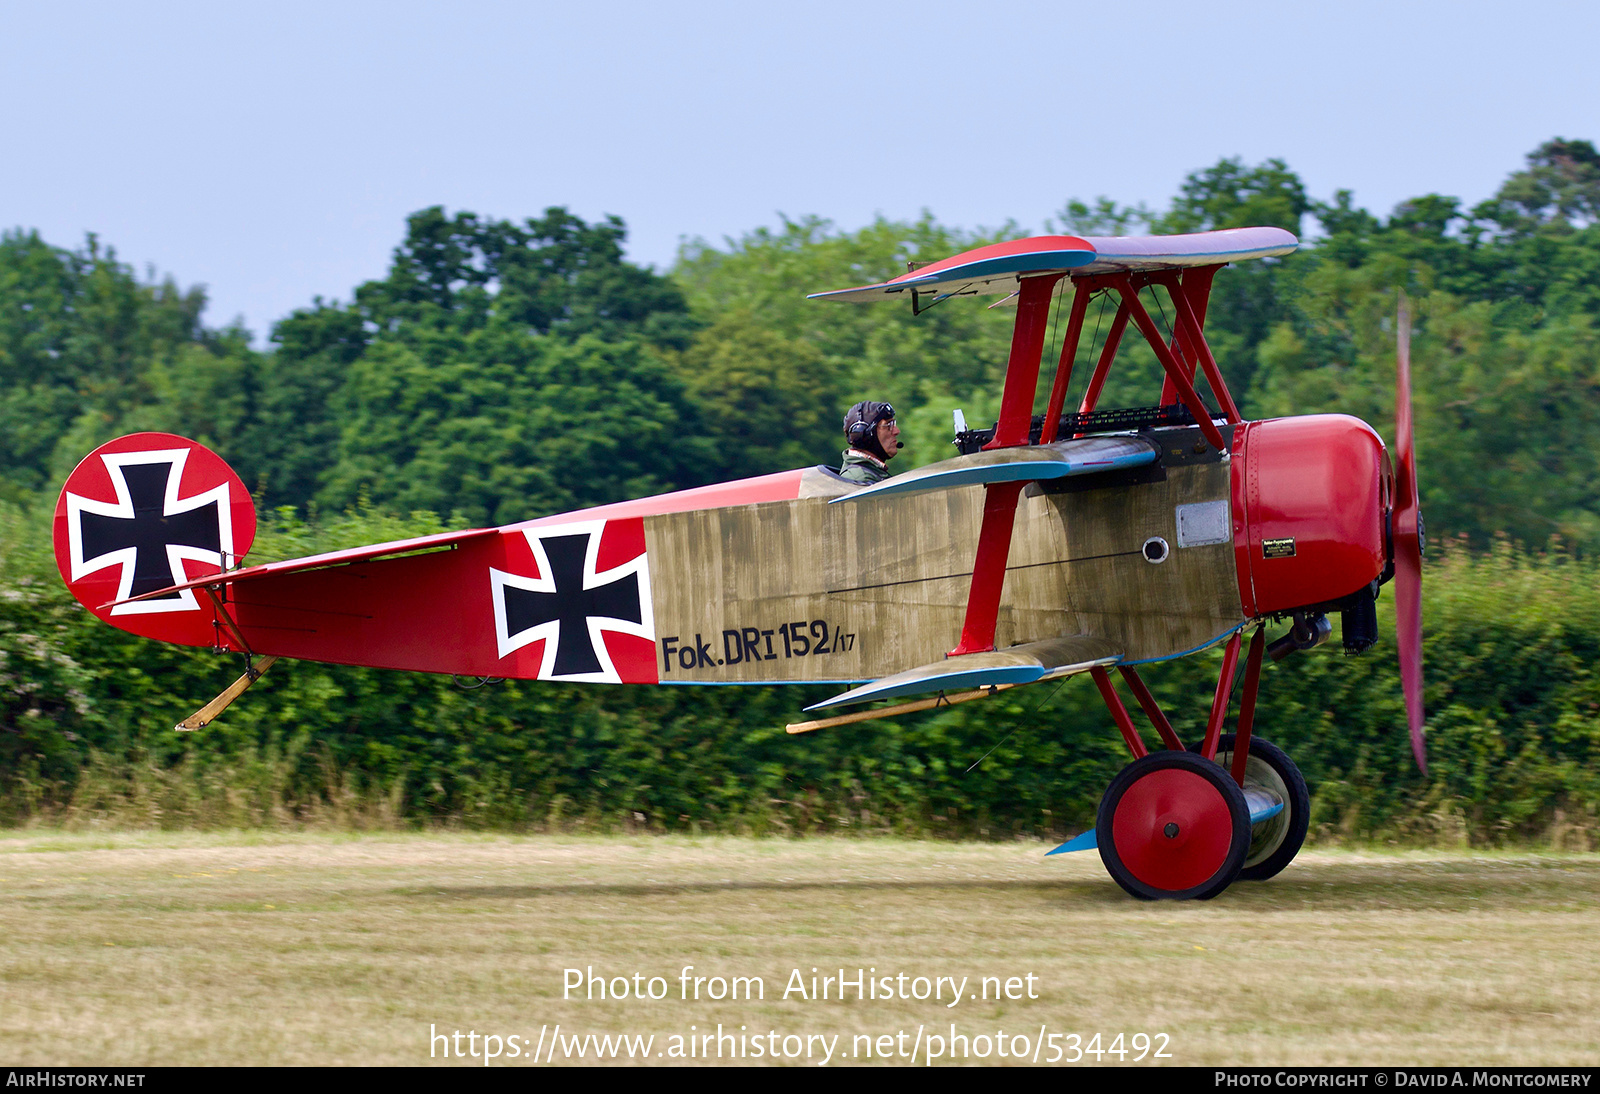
<point x="1173" y="829"/>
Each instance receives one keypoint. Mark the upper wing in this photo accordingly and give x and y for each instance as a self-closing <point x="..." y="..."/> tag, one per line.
<point x="998" y="267"/>
<point x="1114" y="253"/>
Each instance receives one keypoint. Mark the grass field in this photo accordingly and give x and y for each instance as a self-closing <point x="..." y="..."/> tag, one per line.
<point x="144" y="949"/>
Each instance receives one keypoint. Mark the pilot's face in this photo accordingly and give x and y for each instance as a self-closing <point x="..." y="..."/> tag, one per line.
<point x="889" y="437"/>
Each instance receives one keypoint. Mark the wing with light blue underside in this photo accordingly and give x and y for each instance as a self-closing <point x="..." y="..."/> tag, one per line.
<point x="1063" y="459"/>
<point x="1024" y="664"/>
<point x="997" y="267"/>
<point x="989" y="269"/>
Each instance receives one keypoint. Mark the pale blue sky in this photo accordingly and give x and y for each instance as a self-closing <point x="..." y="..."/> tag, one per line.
<point x="271" y="152"/>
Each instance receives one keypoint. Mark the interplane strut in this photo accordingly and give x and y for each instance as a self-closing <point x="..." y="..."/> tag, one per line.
<point x="1187" y="354"/>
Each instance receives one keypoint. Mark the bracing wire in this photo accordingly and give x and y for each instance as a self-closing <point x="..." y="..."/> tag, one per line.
<point x="1099" y="317"/>
<point x="1162" y="308"/>
<point x="1013" y="733"/>
<point x="1094" y="342"/>
<point x="1055" y="315"/>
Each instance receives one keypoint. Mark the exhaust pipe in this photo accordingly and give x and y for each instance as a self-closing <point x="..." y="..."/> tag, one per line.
<point x="1308" y="632"/>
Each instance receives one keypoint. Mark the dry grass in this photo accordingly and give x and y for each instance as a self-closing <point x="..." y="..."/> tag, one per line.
<point x="191" y="949"/>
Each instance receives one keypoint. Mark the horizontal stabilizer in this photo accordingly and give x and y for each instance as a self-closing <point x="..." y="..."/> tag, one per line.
<point x="1030" y="463"/>
<point x="1024" y="664"/>
<point x="1263" y="804"/>
<point x="331" y="558"/>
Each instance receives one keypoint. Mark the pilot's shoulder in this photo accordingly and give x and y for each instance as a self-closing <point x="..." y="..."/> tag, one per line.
<point x="862" y="467"/>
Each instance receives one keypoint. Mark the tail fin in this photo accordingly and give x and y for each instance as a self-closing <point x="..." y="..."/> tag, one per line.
<point x="146" y="512"/>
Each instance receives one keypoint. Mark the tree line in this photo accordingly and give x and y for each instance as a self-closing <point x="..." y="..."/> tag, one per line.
<point x="505" y="370"/>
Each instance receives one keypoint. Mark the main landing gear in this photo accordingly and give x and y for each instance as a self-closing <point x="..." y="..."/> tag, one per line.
<point x="1173" y="826"/>
<point x="1275" y="841"/>
<point x="1183" y="824"/>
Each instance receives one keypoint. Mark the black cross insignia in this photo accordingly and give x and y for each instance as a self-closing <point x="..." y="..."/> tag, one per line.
<point x="151" y="529"/>
<point x="571" y="605"/>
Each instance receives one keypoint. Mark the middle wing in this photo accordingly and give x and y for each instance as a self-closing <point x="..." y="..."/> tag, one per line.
<point x="1063" y="459"/>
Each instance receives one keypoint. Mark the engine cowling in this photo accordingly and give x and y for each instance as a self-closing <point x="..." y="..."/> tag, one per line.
<point x="1310" y="496"/>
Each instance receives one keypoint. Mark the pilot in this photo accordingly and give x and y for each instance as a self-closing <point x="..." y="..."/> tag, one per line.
<point x="874" y="439"/>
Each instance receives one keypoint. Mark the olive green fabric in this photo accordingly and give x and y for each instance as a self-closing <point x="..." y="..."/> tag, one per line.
<point x="860" y="467"/>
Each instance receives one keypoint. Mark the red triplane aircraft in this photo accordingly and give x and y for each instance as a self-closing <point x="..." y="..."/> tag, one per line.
<point x="1053" y="544"/>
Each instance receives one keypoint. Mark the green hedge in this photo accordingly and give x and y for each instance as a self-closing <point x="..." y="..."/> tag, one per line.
<point x="86" y="713"/>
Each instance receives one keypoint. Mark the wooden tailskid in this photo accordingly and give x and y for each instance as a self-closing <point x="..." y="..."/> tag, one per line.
<point x="206" y="714"/>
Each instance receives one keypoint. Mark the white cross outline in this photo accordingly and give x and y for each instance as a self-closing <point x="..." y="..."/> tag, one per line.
<point x="507" y="643"/>
<point x="122" y="508"/>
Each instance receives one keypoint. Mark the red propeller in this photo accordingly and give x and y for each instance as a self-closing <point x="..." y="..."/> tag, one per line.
<point x="1408" y="544"/>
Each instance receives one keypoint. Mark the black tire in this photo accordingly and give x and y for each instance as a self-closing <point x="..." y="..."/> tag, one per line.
<point x="1276" y="841"/>
<point x="1182" y="798"/>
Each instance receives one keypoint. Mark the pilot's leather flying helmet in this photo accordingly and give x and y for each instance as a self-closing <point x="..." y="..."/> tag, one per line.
<point x="861" y="419"/>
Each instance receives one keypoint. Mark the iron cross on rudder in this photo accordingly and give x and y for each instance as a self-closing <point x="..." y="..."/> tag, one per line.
<point x="153" y="524"/>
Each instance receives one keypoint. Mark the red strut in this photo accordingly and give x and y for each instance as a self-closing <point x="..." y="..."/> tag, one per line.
<point x="1173" y="367"/>
<point x="1119" y="713"/>
<point x="1152" y="709"/>
<point x="1069" y="350"/>
<point x="1219" y="703"/>
<point x="1247" y="705"/>
<point x="1011" y="431"/>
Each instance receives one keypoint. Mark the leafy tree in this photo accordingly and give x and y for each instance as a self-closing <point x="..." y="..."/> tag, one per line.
<point x="1231" y="195"/>
<point x="81" y="340"/>
<point x="1104" y="218"/>
<point x="509" y="425"/>
<point x="878" y="347"/>
<point x="1245" y="300"/>
<point x="570" y="277"/>
<point x="954" y="353"/>
<point x="552" y="274"/>
<point x="499" y="371"/>
<point x="768" y="402"/>
<point x="292" y="438"/>
<point x="1504" y="381"/>
<point x="1558" y="192"/>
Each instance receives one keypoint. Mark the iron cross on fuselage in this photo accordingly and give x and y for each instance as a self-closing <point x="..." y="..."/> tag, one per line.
<point x="571" y="605"/>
